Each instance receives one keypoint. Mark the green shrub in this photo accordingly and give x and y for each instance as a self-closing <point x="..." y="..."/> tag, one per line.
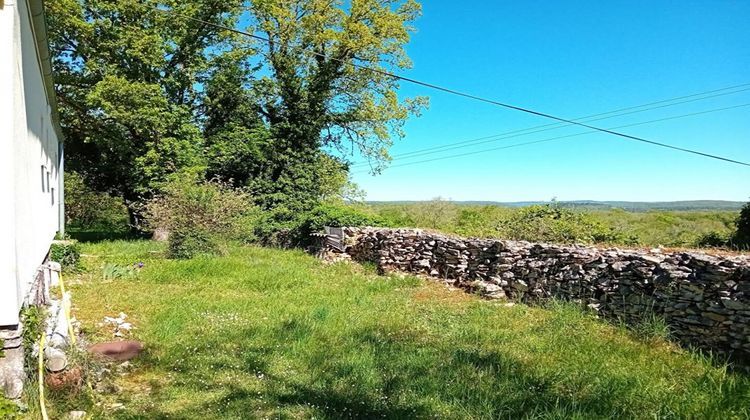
<point x="712" y="239"/>
<point x="338" y="216"/>
<point x="67" y="253"/>
<point x="741" y="237"/>
<point x="435" y="214"/>
<point x="200" y="217"/>
<point x="280" y="228"/>
<point x="553" y="223"/>
<point x="86" y="209"/>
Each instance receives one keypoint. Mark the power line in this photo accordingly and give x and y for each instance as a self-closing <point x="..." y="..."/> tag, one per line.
<point x="565" y="137"/>
<point x="555" y="126"/>
<point x="474" y="97"/>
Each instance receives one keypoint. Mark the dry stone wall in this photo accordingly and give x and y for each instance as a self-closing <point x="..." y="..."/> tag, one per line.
<point x="705" y="299"/>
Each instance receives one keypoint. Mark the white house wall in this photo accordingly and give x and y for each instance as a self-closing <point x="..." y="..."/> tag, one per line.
<point x="29" y="161"/>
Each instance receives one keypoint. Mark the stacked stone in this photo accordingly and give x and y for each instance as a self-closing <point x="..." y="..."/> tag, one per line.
<point x="704" y="299"/>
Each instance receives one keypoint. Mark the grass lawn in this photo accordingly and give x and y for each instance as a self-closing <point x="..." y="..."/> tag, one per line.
<point x="264" y="333"/>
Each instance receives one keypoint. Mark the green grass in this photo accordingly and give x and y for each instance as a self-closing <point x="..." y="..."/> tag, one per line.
<point x="265" y="333"/>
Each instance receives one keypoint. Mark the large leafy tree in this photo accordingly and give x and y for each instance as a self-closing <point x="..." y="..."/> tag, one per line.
<point x="316" y="93"/>
<point x="128" y="82"/>
<point x="152" y="89"/>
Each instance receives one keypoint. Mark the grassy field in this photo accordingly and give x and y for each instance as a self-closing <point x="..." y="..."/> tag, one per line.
<point x="265" y="333"/>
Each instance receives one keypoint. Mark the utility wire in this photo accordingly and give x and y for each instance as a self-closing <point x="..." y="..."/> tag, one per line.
<point x="555" y="126"/>
<point x="560" y="137"/>
<point x="471" y="96"/>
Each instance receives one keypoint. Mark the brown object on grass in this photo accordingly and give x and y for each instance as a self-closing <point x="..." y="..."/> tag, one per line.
<point x="117" y="350"/>
<point x="70" y="380"/>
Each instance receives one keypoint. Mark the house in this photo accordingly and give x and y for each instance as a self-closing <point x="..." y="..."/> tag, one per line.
<point x="31" y="156"/>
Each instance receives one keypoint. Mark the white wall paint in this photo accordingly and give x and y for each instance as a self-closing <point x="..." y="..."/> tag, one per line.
<point x="29" y="187"/>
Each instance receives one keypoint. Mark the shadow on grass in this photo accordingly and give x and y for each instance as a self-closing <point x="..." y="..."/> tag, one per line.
<point x="402" y="377"/>
<point x="104" y="235"/>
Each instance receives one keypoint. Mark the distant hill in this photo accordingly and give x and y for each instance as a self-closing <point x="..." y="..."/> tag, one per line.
<point x="692" y="205"/>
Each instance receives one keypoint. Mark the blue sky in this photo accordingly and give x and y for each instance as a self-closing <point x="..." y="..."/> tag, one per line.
<point x="573" y="59"/>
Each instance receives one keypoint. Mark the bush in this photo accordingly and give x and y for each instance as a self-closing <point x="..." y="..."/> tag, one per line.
<point x="435" y="214"/>
<point x="67" y="253"/>
<point x="280" y="228"/>
<point x="87" y="209"/>
<point x="552" y="223"/>
<point x="741" y="237"/>
<point x="712" y="240"/>
<point x="199" y="217"/>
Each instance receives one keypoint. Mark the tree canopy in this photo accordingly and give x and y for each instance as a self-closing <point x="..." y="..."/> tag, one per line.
<point x="149" y="91"/>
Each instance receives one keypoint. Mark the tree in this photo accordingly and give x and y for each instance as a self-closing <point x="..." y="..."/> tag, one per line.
<point x="317" y="96"/>
<point x="237" y="138"/>
<point x="127" y="81"/>
<point x="741" y="237"/>
<point x="150" y="92"/>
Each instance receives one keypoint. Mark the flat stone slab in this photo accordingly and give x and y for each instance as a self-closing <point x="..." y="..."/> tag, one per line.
<point x="117" y="350"/>
<point x="11" y="373"/>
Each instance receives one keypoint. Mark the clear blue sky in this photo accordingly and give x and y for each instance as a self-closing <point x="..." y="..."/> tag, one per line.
<point x="573" y="59"/>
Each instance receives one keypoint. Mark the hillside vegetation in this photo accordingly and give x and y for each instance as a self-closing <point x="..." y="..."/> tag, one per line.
<point x="183" y="207"/>
<point x="559" y="223"/>
<point x="268" y="333"/>
<point x="687" y="205"/>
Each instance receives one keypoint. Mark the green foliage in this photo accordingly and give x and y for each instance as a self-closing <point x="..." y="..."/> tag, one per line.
<point x="337" y="216"/>
<point x="434" y="214"/>
<point x="185" y="244"/>
<point x="148" y="93"/>
<point x="652" y="327"/>
<point x="268" y="333"/>
<point x="741" y="237"/>
<point x="236" y="136"/>
<point x="33" y="319"/>
<point x="90" y="210"/>
<point x="563" y="223"/>
<point x="312" y="96"/>
<point x="128" y="84"/>
<point x="336" y="186"/>
<point x="285" y="231"/>
<point x="67" y="253"/>
<point x="118" y="271"/>
<point x="199" y="217"/>
<point x="552" y="223"/>
<point x="8" y="409"/>
<point x="712" y="240"/>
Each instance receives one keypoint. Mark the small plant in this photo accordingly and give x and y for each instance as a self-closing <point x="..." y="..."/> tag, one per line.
<point x="8" y="409"/>
<point x="115" y="271"/>
<point x="33" y="319"/>
<point x="652" y="327"/>
<point x="67" y="253"/>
